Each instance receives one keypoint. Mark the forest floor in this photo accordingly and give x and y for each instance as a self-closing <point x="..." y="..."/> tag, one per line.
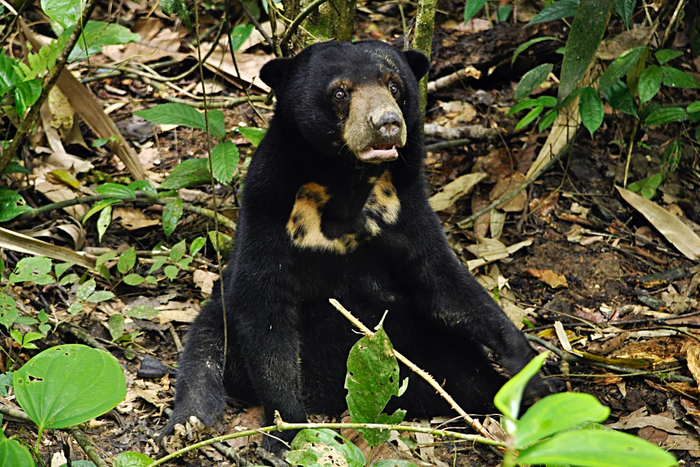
<point x="589" y="263"/>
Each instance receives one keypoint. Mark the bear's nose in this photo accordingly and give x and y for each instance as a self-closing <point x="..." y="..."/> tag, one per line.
<point x="388" y="124"/>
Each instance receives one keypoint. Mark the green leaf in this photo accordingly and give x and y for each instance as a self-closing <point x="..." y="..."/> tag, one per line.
<point x="8" y="310"/>
<point x="527" y="104"/>
<point x="586" y="34"/>
<point x="220" y="241"/>
<point x="15" y="168"/>
<point x="555" y="413"/>
<point x="619" y="97"/>
<point x="619" y="67"/>
<point x="98" y="34"/>
<point x="625" y="8"/>
<point x="253" y="135"/>
<point x="172" y="212"/>
<point x="126" y="261"/>
<point x="178" y="251"/>
<point x="104" y="257"/>
<point x="216" y="124"/>
<point x="353" y="455"/>
<point x="189" y="173"/>
<point x="224" y="161"/>
<point x="532" y="80"/>
<point x="103" y="221"/>
<point x="693" y="108"/>
<point x="14" y="454"/>
<point x="35" y="269"/>
<point x="69" y="384"/>
<point x="174" y="114"/>
<point x="529" y="118"/>
<point x="547" y="120"/>
<point x="116" y="191"/>
<point x="647" y="186"/>
<point x="60" y="268"/>
<point x="75" y="308"/>
<point x="65" y="12"/>
<point x="26" y="94"/>
<point x="151" y="280"/>
<point x="117" y="326"/>
<point x="508" y="398"/>
<point x="142" y="312"/>
<point x="99" y="206"/>
<point x="12" y="204"/>
<point x="158" y="263"/>
<point x="596" y="448"/>
<point x="503" y="12"/>
<point x="666" y="55"/>
<point x="666" y="115"/>
<point x="132" y="459"/>
<point x="9" y="73"/>
<point x="100" y="296"/>
<point x="591" y="109"/>
<point x="171" y="272"/>
<point x="179" y="7"/>
<point x="144" y="186"/>
<point x="649" y="83"/>
<point x="675" y="78"/>
<point x="471" y="8"/>
<point x="196" y="245"/>
<point x="372" y="379"/>
<point x="133" y="279"/>
<point x="557" y="10"/>
<point x="239" y="35"/>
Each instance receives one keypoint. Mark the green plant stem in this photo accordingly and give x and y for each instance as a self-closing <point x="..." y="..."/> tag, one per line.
<point x="284" y="426"/>
<point x="291" y="30"/>
<point x="85" y="443"/>
<point x="46" y="85"/>
<point x="629" y="153"/>
<point x="423" y="41"/>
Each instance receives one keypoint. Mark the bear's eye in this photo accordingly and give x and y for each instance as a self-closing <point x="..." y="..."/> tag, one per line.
<point x="339" y="94"/>
<point x="394" y="88"/>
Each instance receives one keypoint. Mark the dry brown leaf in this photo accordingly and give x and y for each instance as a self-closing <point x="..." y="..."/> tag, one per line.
<point x="610" y="49"/>
<point x="693" y="355"/>
<point x="504" y="186"/>
<point x="249" y="65"/>
<point x="23" y="244"/>
<point x="134" y="219"/>
<point x="641" y="419"/>
<point x="454" y="190"/>
<point x="205" y="281"/>
<point x="493" y="252"/>
<point x="156" y="42"/>
<point x="671" y="227"/>
<point x="549" y="277"/>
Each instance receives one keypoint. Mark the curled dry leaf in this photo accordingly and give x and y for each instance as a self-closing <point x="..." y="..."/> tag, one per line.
<point x="693" y="355"/>
<point x="455" y="190"/>
<point x="610" y="49"/>
<point x="549" y="277"/>
<point x="504" y="186"/>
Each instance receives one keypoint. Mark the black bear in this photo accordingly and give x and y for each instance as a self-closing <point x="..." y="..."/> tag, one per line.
<point x="335" y="206"/>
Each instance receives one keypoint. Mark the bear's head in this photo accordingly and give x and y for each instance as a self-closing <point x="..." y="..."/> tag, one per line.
<point x="343" y="98"/>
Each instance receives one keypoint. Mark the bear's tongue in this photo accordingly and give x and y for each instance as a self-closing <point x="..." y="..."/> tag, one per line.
<point x="379" y="153"/>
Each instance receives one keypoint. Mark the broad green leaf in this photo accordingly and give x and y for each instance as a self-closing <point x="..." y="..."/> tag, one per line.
<point x="171" y="272"/>
<point x="591" y="109"/>
<point x="26" y="93"/>
<point x="352" y="453"/>
<point x="619" y="97"/>
<point x="508" y="398"/>
<point x="216" y="124"/>
<point x="503" y="12"/>
<point x="189" y="173"/>
<point x="132" y="459"/>
<point x="555" y="413"/>
<point x="547" y="120"/>
<point x="126" y="261"/>
<point x="528" y="104"/>
<point x="103" y="222"/>
<point x="693" y="108"/>
<point x="104" y="257"/>
<point x="678" y="79"/>
<point x="142" y="312"/>
<point x="372" y="379"/>
<point x="8" y="310"/>
<point x="177" y="251"/>
<point x="557" y="10"/>
<point x="144" y="186"/>
<point x="65" y="12"/>
<point x="647" y="186"/>
<point x="100" y="296"/>
<point x="12" y="204"/>
<point x="625" y="8"/>
<point x="666" y="55"/>
<point x="66" y="178"/>
<point x="69" y="384"/>
<point x="596" y="448"/>
<point x="174" y="114"/>
<point x="98" y="34"/>
<point x="151" y="280"/>
<point x="60" y="268"/>
<point x="224" y="161"/>
<point x="69" y="279"/>
<point x="619" y="67"/>
<point x="15" y="168"/>
<point x="14" y="454"/>
<point x="254" y="135"/>
<point x="99" y="206"/>
<point x="529" y="118"/>
<point x="240" y="34"/>
<point x="649" y="83"/>
<point x="196" y="245"/>
<point x="75" y="308"/>
<point x="221" y="242"/>
<point x="158" y="263"/>
<point x="532" y="80"/>
<point x="133" y="279"/>
<point x="35" y="269"/>
<point x="117" y="326"/>
<point x="666" y="115"/>
<point x="116" y="191"/>
<point x="586" y="34"/>
<point x="471" y="8"/>
<point x="172" y="212"/>
<point x="9" y="74"/>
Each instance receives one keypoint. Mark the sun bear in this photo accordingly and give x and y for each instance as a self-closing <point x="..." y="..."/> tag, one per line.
<point x="335" y="206"/>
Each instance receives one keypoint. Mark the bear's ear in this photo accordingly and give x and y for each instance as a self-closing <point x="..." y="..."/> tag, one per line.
<point x="418" y="62"/>
<point x="274" y="72"/>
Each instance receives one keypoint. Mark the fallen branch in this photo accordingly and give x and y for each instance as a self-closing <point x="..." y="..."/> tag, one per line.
<point x="471" y="132"/>
<point x="449" y="80"/>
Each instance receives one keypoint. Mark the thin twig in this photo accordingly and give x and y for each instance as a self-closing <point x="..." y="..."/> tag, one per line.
<point x="422" y="373"/>
<point x="85" y="443"/>
<point x="291" y="30"/>
<point x="629" y="153"/>
<point x="46" y="85"/>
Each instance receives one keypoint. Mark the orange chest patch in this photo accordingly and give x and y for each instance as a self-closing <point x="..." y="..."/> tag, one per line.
<point x="304" y="225"/>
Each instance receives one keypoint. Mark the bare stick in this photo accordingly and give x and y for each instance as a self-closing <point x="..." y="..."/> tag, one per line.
<point x="476" y="424"/>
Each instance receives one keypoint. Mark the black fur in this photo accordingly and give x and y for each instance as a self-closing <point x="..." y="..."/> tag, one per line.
<point x="287" y="346"/>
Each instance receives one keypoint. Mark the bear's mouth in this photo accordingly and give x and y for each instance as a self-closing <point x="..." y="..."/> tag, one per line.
<point x="379" y="153"/>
